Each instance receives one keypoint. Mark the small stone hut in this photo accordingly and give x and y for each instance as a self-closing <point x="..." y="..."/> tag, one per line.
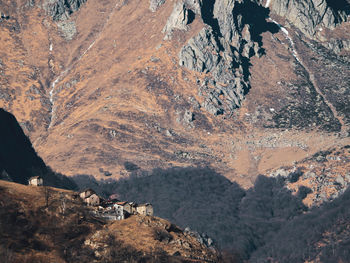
<point x="36" y="181"/>
<point x="90" y="197"/>
<point x="145" y="209"/>
<point x="86" y="193"/>
<point x="92" y="200"/>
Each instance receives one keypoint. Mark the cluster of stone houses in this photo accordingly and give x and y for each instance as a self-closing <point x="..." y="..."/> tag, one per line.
<point x="111" y="209"/>
<point x="114" y="209"/>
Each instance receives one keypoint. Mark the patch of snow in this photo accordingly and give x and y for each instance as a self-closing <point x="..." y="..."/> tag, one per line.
<point x="268" y="2"/>
<point x="290" y="40"/>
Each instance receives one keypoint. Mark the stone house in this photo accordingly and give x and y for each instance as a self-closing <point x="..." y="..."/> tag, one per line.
<point x="86" y="193"/>
<point x="145" y="209"/>
<point x="36" y="181"/>
<point x="126" y="207"/>
<point x="90" y="197"/>
<point x="92" y="200"/>
<point x="119" y="211"/>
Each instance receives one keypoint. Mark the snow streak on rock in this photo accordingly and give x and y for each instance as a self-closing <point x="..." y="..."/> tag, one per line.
<point x="268" y="2"/>
<point x="290" y="40"/>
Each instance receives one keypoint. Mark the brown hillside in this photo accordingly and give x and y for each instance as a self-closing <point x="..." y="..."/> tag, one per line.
<point x="119" y="95"/>
<point x="63" y="230"/>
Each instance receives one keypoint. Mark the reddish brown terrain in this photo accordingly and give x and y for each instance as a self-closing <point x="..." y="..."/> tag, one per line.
<point x="110" y="90"/>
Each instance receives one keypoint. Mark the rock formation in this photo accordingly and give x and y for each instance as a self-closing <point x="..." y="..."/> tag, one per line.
<point x="178" y="19"/>
<point x="61" y="9"/>
<point x="307" y="16"/>
<point x="222" y="48"/>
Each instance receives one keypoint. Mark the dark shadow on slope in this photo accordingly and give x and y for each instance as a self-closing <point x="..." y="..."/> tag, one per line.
<point x="324" y="232"/>
<point x="207" y="10"/>
<point x="18" y="159"/>
<point x="255" y="16"/>
<point x="266" y="223"/>
<point x="208" y="16"/>
<point x="191" y="17"/>
<point x="240" y="221"/>
<point x="339" y="5"/>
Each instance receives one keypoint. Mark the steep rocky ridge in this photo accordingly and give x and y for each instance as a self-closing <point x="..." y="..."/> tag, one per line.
<point x="309" y="16"/>
<point x="61" y="9"/>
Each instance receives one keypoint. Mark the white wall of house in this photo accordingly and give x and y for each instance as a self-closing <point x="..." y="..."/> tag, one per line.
<point x="36" y="181"/>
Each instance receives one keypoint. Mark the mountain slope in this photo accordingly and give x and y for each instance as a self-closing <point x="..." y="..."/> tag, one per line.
<point x="108" y="87"/>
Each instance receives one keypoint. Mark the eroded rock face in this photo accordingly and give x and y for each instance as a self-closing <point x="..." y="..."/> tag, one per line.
<point x="178" y="19"/>
<point x="61" y="9"/>
<point x="223" y="48"/>
<point x="308" y="15"/>
<point x="201" y="52"/>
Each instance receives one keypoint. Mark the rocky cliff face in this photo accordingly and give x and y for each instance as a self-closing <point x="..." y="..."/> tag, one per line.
<point x="62" y="9"/>
<point x="222" y="49"/>
<point x="308" y="16"/>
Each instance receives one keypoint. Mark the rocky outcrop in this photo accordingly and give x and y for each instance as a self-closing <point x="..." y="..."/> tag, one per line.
<point x="223" y="48"/>
<point x="325" y="174"/>
<point x="337" y="45"/>
<point x="201" y="52"/>
<point x="307" y="16"/>
<point x="178" y="19"/>
<point x="62" y="9"/>
<point x="155" y="4"/>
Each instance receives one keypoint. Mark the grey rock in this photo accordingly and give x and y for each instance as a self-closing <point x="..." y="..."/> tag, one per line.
<point x="62" y="9"/>
<point x="337" y="45"/>
<point x="188" y="117"/>
<point x="67" y="29"/>
<point x="155" y="4"/>
<point x="201" y="52"/>
<point x="340" y="180"/>
<point x="222" y="48"/>
<point x="308" y="15"/>
<point x="178" y="20"/>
